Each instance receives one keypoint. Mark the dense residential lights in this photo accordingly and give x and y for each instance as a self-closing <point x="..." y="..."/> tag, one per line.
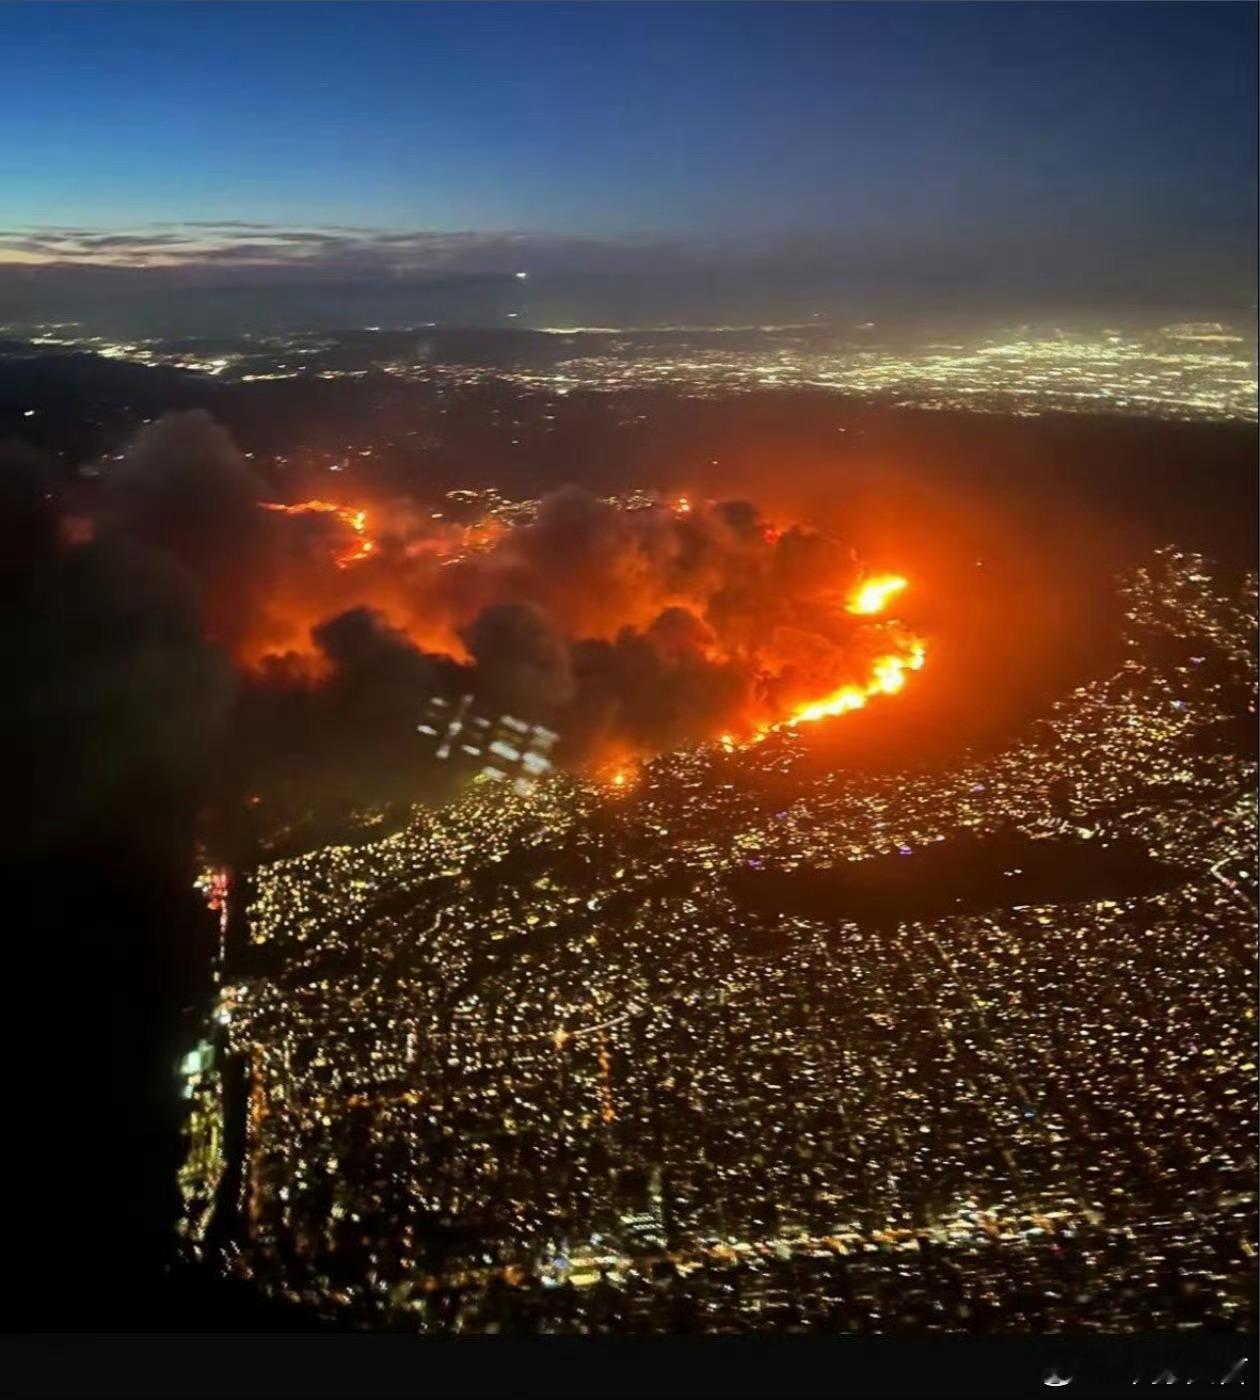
<point x="634" y="1046"/>
<point x="631" y="641"/>
<point x="1194" y="370"/>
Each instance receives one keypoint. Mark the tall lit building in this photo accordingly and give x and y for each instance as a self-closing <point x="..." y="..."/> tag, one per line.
<point x="643" y="1213"/>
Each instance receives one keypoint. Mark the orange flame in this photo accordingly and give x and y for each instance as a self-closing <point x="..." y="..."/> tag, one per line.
<point x="874" y="593"/>
<point x="888" y="676"/>
<point x="355" y="518"/>
<point x="621" y="774"/>
<point x="888" y="673"/>
<point x="900" y="653"/>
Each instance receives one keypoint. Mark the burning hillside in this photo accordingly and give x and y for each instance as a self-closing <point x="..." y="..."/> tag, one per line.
<point x="645" y="571"/>
<point x="628" y="626"/>
<point x="641" y="627"/>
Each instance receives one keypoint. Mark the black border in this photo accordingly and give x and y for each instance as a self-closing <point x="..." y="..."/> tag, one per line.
<point x="139" y="1365"/>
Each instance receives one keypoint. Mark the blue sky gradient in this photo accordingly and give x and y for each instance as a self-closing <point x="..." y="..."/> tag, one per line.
<point x="1087" y="131"/>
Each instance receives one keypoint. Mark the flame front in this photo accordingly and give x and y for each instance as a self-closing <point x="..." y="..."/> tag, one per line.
<point x="897" y="653"/>
<point x="348" y="515"/>
<point x="872" y="596"/>
<point x="888" y="673"/>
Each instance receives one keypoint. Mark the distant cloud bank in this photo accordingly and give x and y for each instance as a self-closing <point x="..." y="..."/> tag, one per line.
<point x="333" y="251"/>
<point x="49" y="272"/>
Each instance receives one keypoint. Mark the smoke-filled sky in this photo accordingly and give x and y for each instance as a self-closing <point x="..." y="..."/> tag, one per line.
<point x="1034" y="151"/>
<point x="720" y="617"/>
<point x="179" y="616"/>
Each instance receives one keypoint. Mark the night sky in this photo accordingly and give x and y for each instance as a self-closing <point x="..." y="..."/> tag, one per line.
<point x="1057" y="139"/>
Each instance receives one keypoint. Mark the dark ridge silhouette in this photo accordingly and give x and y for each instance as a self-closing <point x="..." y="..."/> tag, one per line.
<point x="965" y="875"/>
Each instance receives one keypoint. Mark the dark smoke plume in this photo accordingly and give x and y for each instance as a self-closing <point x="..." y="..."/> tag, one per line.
<point x="184" y="491"/>
<point x="175" y="628"/>
<point x="113" y="697"/>
<point x="522" y="662"/>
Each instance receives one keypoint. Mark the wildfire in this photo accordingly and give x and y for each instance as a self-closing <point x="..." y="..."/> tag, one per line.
<point x="874" y="593"/>
<point x="888" y="676"/>
<point x="888" y="673"/>
<point x="619" y="774"/>
<point x="350" y="516"/>
<point x="896" y="655"/>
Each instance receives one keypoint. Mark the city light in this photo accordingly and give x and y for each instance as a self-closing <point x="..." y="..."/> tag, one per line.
<point x="586" y="983"/>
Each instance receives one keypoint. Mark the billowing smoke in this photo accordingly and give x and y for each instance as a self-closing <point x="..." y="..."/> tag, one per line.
<point x="113" y="698"/>
<point x="627" y="630"/>
<point x="311" y="745"/>
<point x="522" y="661"/>
<point x="183" y="490"/>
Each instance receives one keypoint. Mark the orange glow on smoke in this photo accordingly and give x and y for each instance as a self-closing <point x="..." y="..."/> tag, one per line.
<point x="428" y="578"/>
<point x="618" y="773"/>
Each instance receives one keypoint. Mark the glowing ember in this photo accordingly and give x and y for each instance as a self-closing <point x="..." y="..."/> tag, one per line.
<point x="875" y="593"/>
<point x="75" y="530"/>
<point x="621" y="774"/>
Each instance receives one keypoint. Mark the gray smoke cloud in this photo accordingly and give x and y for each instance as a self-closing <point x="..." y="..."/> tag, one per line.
<point x="523" y="662"/>
<point x="624" y="629"/>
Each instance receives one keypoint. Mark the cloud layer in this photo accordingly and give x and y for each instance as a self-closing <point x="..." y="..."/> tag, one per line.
<point x="209" y="247"/>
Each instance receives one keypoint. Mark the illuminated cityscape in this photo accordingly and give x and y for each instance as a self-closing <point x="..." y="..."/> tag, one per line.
<point x="1191" y="370"/>
<point x="732" y="1047"/>
<point x="631" y="676"/>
